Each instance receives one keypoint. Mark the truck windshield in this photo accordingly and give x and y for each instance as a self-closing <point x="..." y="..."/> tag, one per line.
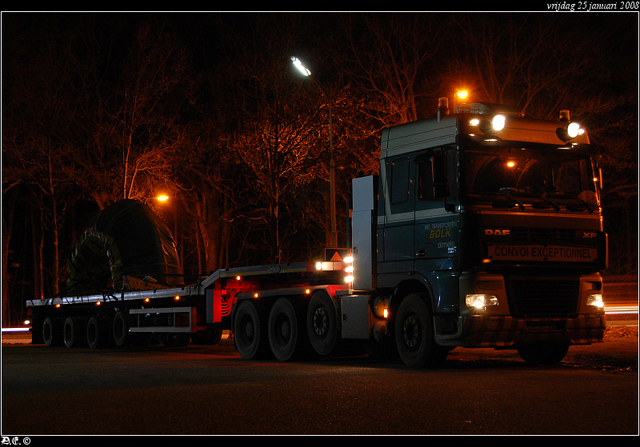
<point x="538" y="177"/>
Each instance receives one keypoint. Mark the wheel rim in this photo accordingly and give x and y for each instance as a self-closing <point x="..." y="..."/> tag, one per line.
<point x="247" y="329"/>
<point x="320" y="322"/>
<point x="411" y="332"/>
<point x="282" y="329"/>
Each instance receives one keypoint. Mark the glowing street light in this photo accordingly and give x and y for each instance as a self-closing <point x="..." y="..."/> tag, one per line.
<point x="332" y="189"/>
<point x="162" y="198"/>
<point x="300" y="66"/>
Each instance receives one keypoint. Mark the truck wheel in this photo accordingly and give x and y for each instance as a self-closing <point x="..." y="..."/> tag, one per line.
<point x="543" y="353"/>
<point x="322" y="323"/>
<point x="97" y="333"/>
<point x="249" y="327"/>
<point x="414" y="334"/>
<point x="51" y="332"/>
<point x="284" y="330"/>
<point x="121" y="335"/>
<point x="72" y="332"/>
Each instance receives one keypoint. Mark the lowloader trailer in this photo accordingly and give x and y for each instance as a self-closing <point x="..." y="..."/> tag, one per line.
<point x="482" y="229"/>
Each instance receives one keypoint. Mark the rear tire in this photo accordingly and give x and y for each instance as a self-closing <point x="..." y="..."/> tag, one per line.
<point x="73" y="332"/>
<point x="121" y="336"/>
<point x="322" y="323"/>
<point x="249" y="331"/>
<point x="51" y="332"/>
<point x="285" y="331"/>
<point x="97" y="333"/>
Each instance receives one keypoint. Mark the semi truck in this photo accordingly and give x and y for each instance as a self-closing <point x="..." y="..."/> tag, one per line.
<point x="482" y="229"/>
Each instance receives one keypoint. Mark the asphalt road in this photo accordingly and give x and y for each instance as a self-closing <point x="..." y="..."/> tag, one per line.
<point x="211" y="391"/>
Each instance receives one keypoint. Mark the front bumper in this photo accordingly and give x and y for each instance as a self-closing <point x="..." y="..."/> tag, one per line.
<point x="485" y="331"/>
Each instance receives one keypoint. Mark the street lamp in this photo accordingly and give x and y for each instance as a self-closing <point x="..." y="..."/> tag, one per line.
<point x="332" y="191"/>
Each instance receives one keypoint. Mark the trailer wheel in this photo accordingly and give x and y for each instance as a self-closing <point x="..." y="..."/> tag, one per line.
<point x="322" y="323"/>
<point x="414" y="334"/>
<point x="97" y="333"/>
<point x="121" y="335"/>
<point x="249" y="331"/>
<point x="285" y="335"/>
<point x="543" y="353"/>
<point x="51" y="332"/>
<point x="73" y="332"/>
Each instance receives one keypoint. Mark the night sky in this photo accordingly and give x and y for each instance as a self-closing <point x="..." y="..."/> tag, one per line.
<point x="69" y="80"/>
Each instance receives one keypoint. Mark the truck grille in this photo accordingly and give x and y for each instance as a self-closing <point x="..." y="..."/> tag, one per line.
<point x="543" y="297"/>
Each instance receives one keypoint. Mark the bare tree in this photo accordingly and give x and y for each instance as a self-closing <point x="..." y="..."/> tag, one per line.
<point x="387" y="60"/>
<point x="38" y="113"/>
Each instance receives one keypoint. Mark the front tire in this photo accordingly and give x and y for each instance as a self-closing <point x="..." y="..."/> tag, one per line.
<point x="414" y="334"/>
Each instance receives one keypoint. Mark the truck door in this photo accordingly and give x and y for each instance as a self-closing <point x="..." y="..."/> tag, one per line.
<point x="398" y="190"/>
<point x="436" y="223"/>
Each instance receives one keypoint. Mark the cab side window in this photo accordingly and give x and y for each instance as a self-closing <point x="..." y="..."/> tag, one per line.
<point x="433" y="182"/>
<point x="399" y="170"/>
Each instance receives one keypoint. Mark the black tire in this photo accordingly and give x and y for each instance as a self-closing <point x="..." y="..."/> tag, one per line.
<point x="51" y="332"/>
<point x="543" y="353"/>
<point x="120" y="329"/>
<point x="285" y="331"/>
<point x="97" y="333"/>
<point x="322" y="323"/>
<point x="73" y="332"/>
<point x="414" y="334"/>
<point x="125" y="239"/>
<point x="249" y="331"/>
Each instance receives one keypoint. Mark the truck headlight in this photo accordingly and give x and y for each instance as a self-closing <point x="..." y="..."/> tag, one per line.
<point x="480" y="300"/>
<point x="498" y="122"/>
<point x="595" y="300"/>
